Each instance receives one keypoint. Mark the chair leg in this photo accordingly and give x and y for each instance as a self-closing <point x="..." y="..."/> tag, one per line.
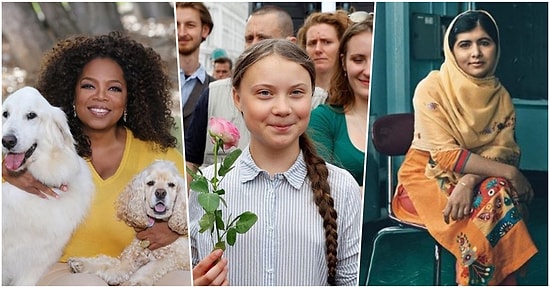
<point x="391" y="230"/>
<point x="437" y="264"/>
<point x="369" y="271"/>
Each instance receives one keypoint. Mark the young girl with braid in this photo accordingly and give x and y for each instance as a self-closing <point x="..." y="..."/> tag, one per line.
<point x="309" y="216"/>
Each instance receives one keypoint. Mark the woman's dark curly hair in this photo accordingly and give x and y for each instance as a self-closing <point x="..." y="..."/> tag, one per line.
<point x="149" y="100"/>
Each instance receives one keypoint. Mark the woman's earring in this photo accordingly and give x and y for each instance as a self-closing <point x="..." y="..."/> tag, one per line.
<point x="124" y="116"/>
<point x="74" y="111"/>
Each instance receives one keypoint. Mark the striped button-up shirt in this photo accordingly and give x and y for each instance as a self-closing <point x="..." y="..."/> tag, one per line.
<point x="286" y="246"/>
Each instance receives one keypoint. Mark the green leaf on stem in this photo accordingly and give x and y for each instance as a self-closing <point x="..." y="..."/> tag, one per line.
<point x="231" y="236"/>
<point x="200" y="185"/>
<point x="228" y="162"/>
<point x="220" y="192"/>
<point x="246" y="221"/>
<point x="209" y="201"/>
<point x="206" y="222"/>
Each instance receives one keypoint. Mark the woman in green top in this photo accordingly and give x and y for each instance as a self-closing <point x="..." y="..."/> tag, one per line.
<point x="339" y="127"/>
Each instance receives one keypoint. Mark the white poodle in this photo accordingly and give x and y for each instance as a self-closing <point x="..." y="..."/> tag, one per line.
<point x="37" y="138"/>
<point x="155" y="193"/>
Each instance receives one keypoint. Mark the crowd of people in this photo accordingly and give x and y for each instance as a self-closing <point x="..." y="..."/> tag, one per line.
<point x="322" y="77"/>
<point x="320" y="37"/>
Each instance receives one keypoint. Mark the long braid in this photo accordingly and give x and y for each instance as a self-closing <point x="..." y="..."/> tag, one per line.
<point x="318" y="174"/>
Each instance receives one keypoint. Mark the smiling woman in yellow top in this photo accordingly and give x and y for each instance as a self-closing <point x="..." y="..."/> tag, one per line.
<point x="116" y="95"/>
<point x="460" y="177"/>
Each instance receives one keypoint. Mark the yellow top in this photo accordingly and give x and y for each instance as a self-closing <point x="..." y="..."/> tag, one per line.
<point x="101" y="232"/>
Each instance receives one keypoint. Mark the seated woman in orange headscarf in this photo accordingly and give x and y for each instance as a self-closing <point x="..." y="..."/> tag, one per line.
<point x="460" y="177"/>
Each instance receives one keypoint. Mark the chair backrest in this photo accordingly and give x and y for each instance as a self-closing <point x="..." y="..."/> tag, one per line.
<point x="392" y="135"/>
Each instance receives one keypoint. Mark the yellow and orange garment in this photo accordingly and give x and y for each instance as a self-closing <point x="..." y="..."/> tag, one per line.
<point x="457" y="115"/>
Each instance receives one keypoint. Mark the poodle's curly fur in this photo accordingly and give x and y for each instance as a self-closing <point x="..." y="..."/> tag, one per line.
<point x="155" y="193"/>
<point x="149" y="98"/>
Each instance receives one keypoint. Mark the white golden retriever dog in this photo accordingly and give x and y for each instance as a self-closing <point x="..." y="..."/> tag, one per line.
<point x="37" y="138"/>
<point x="155" y="194"/>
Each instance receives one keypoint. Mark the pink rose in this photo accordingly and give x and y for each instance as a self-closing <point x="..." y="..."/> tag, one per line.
<point x="224" y="130"/>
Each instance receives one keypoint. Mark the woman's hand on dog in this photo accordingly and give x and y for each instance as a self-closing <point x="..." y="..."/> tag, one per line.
<point x="159" y="235"/>
<point x="211" y="271"/>
<point x="26" y="182"/>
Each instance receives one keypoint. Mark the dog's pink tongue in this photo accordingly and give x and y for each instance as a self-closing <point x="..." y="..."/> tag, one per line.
<point x="159" y="208"/>
<point x="14" y="161"/>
